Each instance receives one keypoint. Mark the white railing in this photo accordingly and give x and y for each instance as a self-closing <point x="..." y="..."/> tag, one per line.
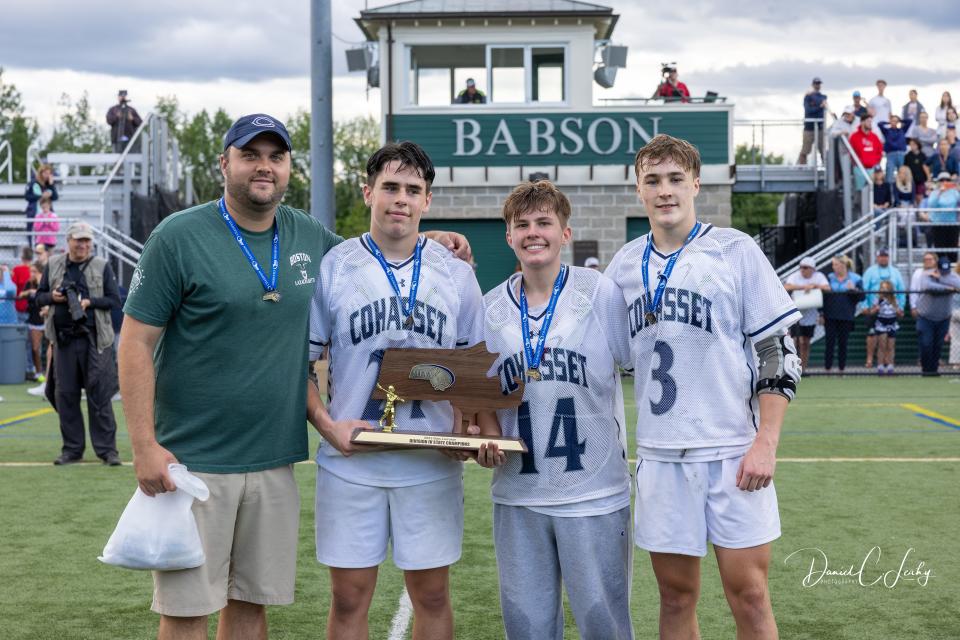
<point x="6" y="160"/>
<point x="759" y="146"/>
<point x="117" y="166"/>
<point x="888" y="229"/>
<point x="109" y="241"/>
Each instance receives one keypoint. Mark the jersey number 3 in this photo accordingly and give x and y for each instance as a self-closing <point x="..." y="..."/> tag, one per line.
<point x="668" y="386"/>
<point x="564" y="417"/>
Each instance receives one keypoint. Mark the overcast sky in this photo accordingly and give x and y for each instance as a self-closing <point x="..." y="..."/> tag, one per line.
<point x="253" y="56"/>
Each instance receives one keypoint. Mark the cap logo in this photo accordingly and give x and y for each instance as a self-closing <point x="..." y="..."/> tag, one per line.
<point x="261" y="121"/>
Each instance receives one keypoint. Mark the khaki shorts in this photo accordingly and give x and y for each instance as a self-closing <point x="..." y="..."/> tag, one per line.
<point x="249" y="528"/>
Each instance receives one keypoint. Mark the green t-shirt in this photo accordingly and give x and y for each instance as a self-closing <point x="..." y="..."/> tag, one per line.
<point x="231" y="368"/>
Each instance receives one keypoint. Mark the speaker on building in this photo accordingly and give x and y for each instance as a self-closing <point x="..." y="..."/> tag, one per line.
<point x="605" y="76"/>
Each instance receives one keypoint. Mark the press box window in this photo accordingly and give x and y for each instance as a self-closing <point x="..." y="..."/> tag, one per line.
<point x="506" y="74"/>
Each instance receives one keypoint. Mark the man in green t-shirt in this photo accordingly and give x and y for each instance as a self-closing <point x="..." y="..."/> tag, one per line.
<point x="212" y="371"/>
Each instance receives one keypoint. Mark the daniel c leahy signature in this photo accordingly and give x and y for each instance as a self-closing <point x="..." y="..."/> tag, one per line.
<point x="867" y="573"/>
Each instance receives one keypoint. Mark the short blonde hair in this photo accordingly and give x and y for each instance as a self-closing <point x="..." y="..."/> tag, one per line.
<point x="541" y="195"/>
<point x="663" y="147"/>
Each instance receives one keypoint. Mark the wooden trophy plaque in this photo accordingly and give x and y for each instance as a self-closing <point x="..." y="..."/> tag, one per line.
<point x="456" y="375"/>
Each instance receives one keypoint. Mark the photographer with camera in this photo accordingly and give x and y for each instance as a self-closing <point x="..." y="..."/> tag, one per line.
<point x="83" y="290"/>
<point x="670" y="89"/>
<point x="123" y="120"/>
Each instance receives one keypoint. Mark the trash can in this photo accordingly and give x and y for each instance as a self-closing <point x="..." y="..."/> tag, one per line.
<point x="13" y="344"/>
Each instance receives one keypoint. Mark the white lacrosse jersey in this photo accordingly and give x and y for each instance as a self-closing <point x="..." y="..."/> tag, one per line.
<point x="572" y="418"/>
<point x="695" y="369"/>
<point x="356" y="312"/>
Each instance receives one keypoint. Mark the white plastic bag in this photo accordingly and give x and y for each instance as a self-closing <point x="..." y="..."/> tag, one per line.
<point x="160" y="533"/>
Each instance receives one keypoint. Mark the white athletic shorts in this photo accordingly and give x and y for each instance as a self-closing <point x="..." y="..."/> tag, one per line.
<point x="355" y="522"/>
<point x="683" y="505"/>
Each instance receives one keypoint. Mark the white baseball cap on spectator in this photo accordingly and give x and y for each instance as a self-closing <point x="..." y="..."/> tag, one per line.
<point x="808" y="262"/>
<point x="849" y="109"/>
<point x="592" y="261"/>
<point x="80" y="231"/>
<point x="943" y="176"/>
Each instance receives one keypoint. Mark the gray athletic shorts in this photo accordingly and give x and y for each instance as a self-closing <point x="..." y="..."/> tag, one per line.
<point x="591" y="555"/>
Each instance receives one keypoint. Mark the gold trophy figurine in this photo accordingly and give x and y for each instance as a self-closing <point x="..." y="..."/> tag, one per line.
<point x="389" y="411"/>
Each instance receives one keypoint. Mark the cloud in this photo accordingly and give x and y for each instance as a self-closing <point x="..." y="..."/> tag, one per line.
<point x="937" y="15"/>
<point x="171" y="40"/>
<point x="795" y="75"/>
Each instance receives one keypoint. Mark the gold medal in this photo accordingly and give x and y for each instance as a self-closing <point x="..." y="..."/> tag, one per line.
<point x="408" y="322"/>
<point x="271" y="296"/>
<point x="650" y="317"/>
<point x="533" y="373"/>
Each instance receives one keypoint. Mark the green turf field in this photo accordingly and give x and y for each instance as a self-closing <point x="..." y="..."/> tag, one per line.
<point x="832" y="502"/>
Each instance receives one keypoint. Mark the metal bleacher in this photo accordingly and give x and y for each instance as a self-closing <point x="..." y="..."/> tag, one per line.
<point x="96" y="188"/>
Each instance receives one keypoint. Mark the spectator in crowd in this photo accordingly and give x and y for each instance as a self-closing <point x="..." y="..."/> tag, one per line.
<point x="954" y="357"/>
<point x="807" y="278"/>
<point x="886" y="312"/>
<point x="951" y="119"/>
<point x="33" y="320"/>
<point x="814" y="121"/>
<point x="592" y="262"/>
<point x="942" y="161"/>
<point x="878" y="273"/>
<point x="21" y="277"/>
<point x="46" y="225"/>
<point x="916" y="162"/>
<point x="916" y="278"/>
<point x="844" y="125"/>
<point x="867" y="146"/>
<point x="671" y="89"/>
<point x="860" y="108"/>
<point x="40" y="253"/>
<point x="904" y="192"/>
<point x="839" y="310"/>
<point x="880" y="105"/>
<point x="882" y="192"/>
<point x="912" y="110"/>
<point x="926" y="136"/>
<point x="950" y="136"/>
<point x="8" y="294"/>
<point x="82" y="290"/>
<point x="894" y="143"/>
<point x="41" y="184"/>
<point x="123" y="120"/>
<point x="944" y="202"/>
<point x="946" y="103"/>
<point x="938" y="286"/>
<point x="470" y="94"/>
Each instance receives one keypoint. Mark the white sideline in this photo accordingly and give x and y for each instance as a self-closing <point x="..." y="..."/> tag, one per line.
<point x="401" y="619"/>
<point x="96" y="463"/>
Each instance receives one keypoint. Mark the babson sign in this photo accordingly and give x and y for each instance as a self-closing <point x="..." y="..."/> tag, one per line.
<point x="596" y="137"/>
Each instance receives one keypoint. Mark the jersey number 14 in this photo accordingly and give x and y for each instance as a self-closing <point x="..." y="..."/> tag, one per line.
<point x="565" y="419"/>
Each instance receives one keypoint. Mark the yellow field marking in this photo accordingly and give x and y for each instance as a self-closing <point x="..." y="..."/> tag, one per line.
<point x="26" y="416"/>
<point x="931" y="414"/>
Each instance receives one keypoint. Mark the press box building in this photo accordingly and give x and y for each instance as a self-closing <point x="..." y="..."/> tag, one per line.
<point x="539" y="63"/>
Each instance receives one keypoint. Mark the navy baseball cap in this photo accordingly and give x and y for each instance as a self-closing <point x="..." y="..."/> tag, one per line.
<point x="246" y="128"/>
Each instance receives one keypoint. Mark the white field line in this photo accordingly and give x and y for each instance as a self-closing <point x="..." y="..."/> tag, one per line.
<point x="401" y="619"/>
<point x="92" y="463"/>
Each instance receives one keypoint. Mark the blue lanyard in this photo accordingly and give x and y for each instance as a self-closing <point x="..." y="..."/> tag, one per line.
<point x="533" y="358"/>
<point x="654" y="308"/>
<point x="414" y="281"/>
<point x="269" y="286"/>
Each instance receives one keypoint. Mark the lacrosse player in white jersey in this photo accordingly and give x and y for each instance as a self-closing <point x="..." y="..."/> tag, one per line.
<point x="561" y="510"/>
<point x="390" y="288"/>
<point x="714" y="370"/>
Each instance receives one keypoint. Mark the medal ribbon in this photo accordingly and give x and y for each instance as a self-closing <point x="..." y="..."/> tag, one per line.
<point x="268" y="285"/>
<point x="534" y="357"/>
<point x="667" y="270"/>
<point x="414" y="280"/>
